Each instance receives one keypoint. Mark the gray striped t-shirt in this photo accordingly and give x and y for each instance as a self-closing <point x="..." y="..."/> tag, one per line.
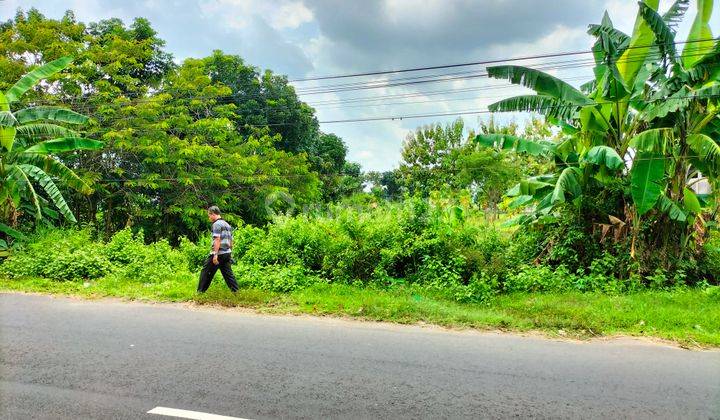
<point x="222" y="229"/>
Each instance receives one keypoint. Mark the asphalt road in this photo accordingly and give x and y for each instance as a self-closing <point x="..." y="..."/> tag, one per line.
<point x="63" y="358"/>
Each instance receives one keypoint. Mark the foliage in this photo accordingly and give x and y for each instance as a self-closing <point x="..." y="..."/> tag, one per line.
<point x="711" y="256"/>
<point x="213" y="130"/>
<point x="72" y="255"/>
<point x="28" y="163"/>
<point x="442" y="246"/>
<point x="436" y="158"/>
<point x="648" y="124"/>
<point x="283" y="279"/>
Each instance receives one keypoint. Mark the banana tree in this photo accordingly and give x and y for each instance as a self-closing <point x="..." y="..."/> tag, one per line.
<point x="681" y="137"/>
<point x="30" y="140"/>
<point x="648" y="116"/>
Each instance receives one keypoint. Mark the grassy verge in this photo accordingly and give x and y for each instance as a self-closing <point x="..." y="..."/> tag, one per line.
<point x="689" y="317"/>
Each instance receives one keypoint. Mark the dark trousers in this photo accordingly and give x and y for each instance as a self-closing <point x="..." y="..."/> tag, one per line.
<point x="209" y="270"/>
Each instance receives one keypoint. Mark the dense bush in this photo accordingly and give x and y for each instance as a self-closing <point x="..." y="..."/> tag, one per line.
<point x="275" y="278"/>
<point x="59" y="255"/>
<point x="711" y="256"/>
<point x="76" y="255"/>
<point x="448" y="250"/>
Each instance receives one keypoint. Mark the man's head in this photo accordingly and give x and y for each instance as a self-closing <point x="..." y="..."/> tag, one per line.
<point x="213" y="213"/>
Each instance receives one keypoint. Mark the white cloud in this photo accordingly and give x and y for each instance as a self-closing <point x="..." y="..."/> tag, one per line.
<point x="364" y="154"/>
<point x="291" y="15"/>
<point x="430" y="13"/>
<point x="239" y="14"/>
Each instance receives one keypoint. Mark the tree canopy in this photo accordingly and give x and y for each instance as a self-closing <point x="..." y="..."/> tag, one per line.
<point x="178" y="136"/>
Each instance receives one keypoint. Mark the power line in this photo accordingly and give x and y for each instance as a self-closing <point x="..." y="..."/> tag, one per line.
<point x="426" y="93"/>
<point x="572" y="64"/>
<point x="466" y="112"/>
<point x="219" y="100"/>
<point x="371" y="85"/>
<point x="473" y="63"/>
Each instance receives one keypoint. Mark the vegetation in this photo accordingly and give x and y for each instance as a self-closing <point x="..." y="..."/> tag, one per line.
<point x="177" y="137"/>
<point x="635" y="139"/>
<point x="600" y="230"/>
<point x="440" y="266"/>
<point x="26" y="158"/>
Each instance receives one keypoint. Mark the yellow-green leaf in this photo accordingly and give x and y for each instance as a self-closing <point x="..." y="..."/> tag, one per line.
<point x="7" y="137"/>
<point x="691" y="201"/>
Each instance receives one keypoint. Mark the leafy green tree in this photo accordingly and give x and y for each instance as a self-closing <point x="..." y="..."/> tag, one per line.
<point x="212" y="130"/>
<point x="437" y="158"/>
<point x="430" y="157"/>
<point x="390" y="181"/>
<point x="350" y="180"/>
<point x="176" y="154"/>
<point x="265" y="99"/>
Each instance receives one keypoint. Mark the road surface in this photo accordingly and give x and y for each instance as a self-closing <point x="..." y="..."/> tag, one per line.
<point x="65" y="358"/>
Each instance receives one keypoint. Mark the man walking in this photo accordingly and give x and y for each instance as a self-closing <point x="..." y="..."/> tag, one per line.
<point x="220" y="257"/>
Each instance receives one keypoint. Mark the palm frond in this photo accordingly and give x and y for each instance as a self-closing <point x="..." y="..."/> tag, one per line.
<point x="605" y="156"/>
<point x="676" y="102"/>
<point x="664" y="35"/>
<point x="675" y="13"/>
<point x="44" y="130"/>
<point x="699" y="41"/>
<point x="672" y="209"/>
<point x="50" y="188"/>
<point x="56" y="168"/>
<point x="17" y="172"/>
<point x="7" y="119"/>
<point x="618" y="36"/>
<point x="67" y="144"/>
<point x="568" y="183"/>
<point x="29" y="80"/>
<point x="48" y="113"/>
<point x="517" y="144"/>
<point x="706" y="148"/>
<point x="11" y="232"/>
<point x="541" y="104"/>
<point x="655" y="140"/>
<point x="541" y="83"/>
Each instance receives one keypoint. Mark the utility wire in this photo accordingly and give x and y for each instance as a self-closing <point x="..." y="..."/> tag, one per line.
<point x="373" y="85"/>
<point x="474" y="63"/>
<point x="449" y="113"/>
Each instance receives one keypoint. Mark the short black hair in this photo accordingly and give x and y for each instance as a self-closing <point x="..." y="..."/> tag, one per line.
<point x="214" y="210"/>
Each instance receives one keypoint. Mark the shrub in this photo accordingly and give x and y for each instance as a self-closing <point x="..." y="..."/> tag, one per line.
<point x="711" y="257"/>
<point x="59" y="255"/>
<point x="195" y="254"/>
<point x="440" y="273"/>
<point x="540" y="279"/>
<point x="291" y="241"/>
<point x="480" y="289"/>
<point x="283" y="279"/>
<point x="74" y="255"/>
<point x="154" y="263"/>
<point x="84" y="263"/>
<point x="124" y="246"/>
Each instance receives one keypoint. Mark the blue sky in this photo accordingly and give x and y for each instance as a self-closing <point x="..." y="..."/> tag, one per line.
<point x="303" y="38"/>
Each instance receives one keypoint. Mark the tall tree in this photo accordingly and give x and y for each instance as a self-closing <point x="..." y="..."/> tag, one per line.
<point x="430" y="157"/>
<point x="178" y="137"/>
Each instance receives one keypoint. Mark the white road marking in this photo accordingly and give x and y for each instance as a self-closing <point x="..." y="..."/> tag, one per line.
<point x="187" y="414"/>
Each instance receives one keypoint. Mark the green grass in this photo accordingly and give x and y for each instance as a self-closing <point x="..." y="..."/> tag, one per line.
<point x="689" y="317"/>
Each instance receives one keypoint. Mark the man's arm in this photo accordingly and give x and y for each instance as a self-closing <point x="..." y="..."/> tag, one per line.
<point x="216" y="249"/>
